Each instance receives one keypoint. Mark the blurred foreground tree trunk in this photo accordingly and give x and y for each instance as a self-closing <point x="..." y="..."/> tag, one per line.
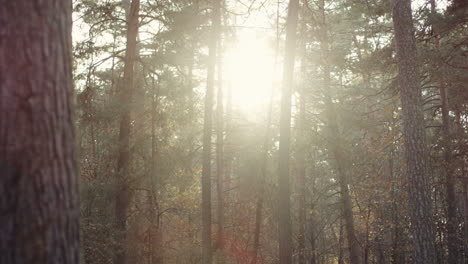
<point x="414" y="135"/>
<point x="39" y="208"/>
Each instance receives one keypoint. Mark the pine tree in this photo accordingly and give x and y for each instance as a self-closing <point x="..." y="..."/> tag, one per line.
<point x="39" y="182"/>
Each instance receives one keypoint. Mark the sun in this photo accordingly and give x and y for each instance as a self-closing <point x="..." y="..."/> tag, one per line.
<point x="249" y="69"/>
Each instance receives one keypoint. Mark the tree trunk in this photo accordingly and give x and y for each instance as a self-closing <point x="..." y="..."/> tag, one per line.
<point x="414" y="135"/>
<point x="284" y="224"/>
<point x="220" y="154"/>
<point x="261" y="181"/>
<point x="450" y="199"/>
<point x="335" y="145"/>
<point x="155" y="235"/>
<point x="301" y="161"/>
<point x="122" y="194"/>
<point x="452" y="240"/>
<point x="39" y="219"/>
<point x="207" y="133"/>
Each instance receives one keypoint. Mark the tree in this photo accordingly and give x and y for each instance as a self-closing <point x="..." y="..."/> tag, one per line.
<point x="39" y="185"/>
<point x="284" y="211"/>
<point x="207" y="133"/>
<point x="336" y="142"/>
<point x="414" y="135"/>
<point x="122" y="195"/>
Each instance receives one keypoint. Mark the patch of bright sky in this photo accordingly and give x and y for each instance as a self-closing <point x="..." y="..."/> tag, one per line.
<point x="249" y="68"/>
<point x="249" y="61"/>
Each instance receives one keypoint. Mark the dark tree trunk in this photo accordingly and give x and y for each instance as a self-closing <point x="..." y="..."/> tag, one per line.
<point x="284" y="224"/>
<point x="39" y="209"/>
<point x="207" y="134"/>
<point x="414" y="135"/>
<point x="122" y="194"/>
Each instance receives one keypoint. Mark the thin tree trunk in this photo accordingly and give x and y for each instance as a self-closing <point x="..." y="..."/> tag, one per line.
<point x="258" y="225"/>
<point x="122" y="195"/>
<point x="414" y="135"/>
<point x="39" y="208"/>
<point x="464" y="176"/>
<point x="284" y="224"/>
<point x="301" y="155"/>
<point x="335" y="142"/>
<point x="261" y="182"/>
<point x="340" y="243"/>
<point x="301" y="161"/>
<point x="450" y="199"/>
<point x="220" y="154"/>
<point x="396" y="245"/>
<point x="155" y="234"/>
<point x="207" y="134"/>
<point x="367" y="243"/>
<point x="452" y="238"/>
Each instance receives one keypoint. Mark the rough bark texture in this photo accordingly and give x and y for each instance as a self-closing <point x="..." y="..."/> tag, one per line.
<point x="39" y="208"/>
<point x="207" y="133"/>
<point x="284" y="224"/>
<point x="122" y="194"/>
<point x="335" y="146"/>
<point x="414" y="135"/>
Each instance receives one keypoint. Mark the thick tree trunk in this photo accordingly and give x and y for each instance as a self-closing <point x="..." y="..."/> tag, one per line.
<point x="207" y="134"/>
<point x="414" y="135"/>
<point x="39" y="210"/>
<point x="122" y="194"/>
<point x="284" y="211"/>
<point x="335" y="145"/>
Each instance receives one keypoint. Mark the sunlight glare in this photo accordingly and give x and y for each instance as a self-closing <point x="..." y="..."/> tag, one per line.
<point x="249" y="70"/>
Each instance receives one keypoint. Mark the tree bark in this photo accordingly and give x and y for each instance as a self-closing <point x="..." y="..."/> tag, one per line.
<point x="414" y="135"/>
<point x="122" y="194"/>
<point x="207" y="134"/>
<point x="284" y="224"/>
<point x="39" y="208"/>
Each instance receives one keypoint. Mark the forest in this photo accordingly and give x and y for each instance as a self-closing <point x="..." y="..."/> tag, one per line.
<point x="233" y="132"/>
